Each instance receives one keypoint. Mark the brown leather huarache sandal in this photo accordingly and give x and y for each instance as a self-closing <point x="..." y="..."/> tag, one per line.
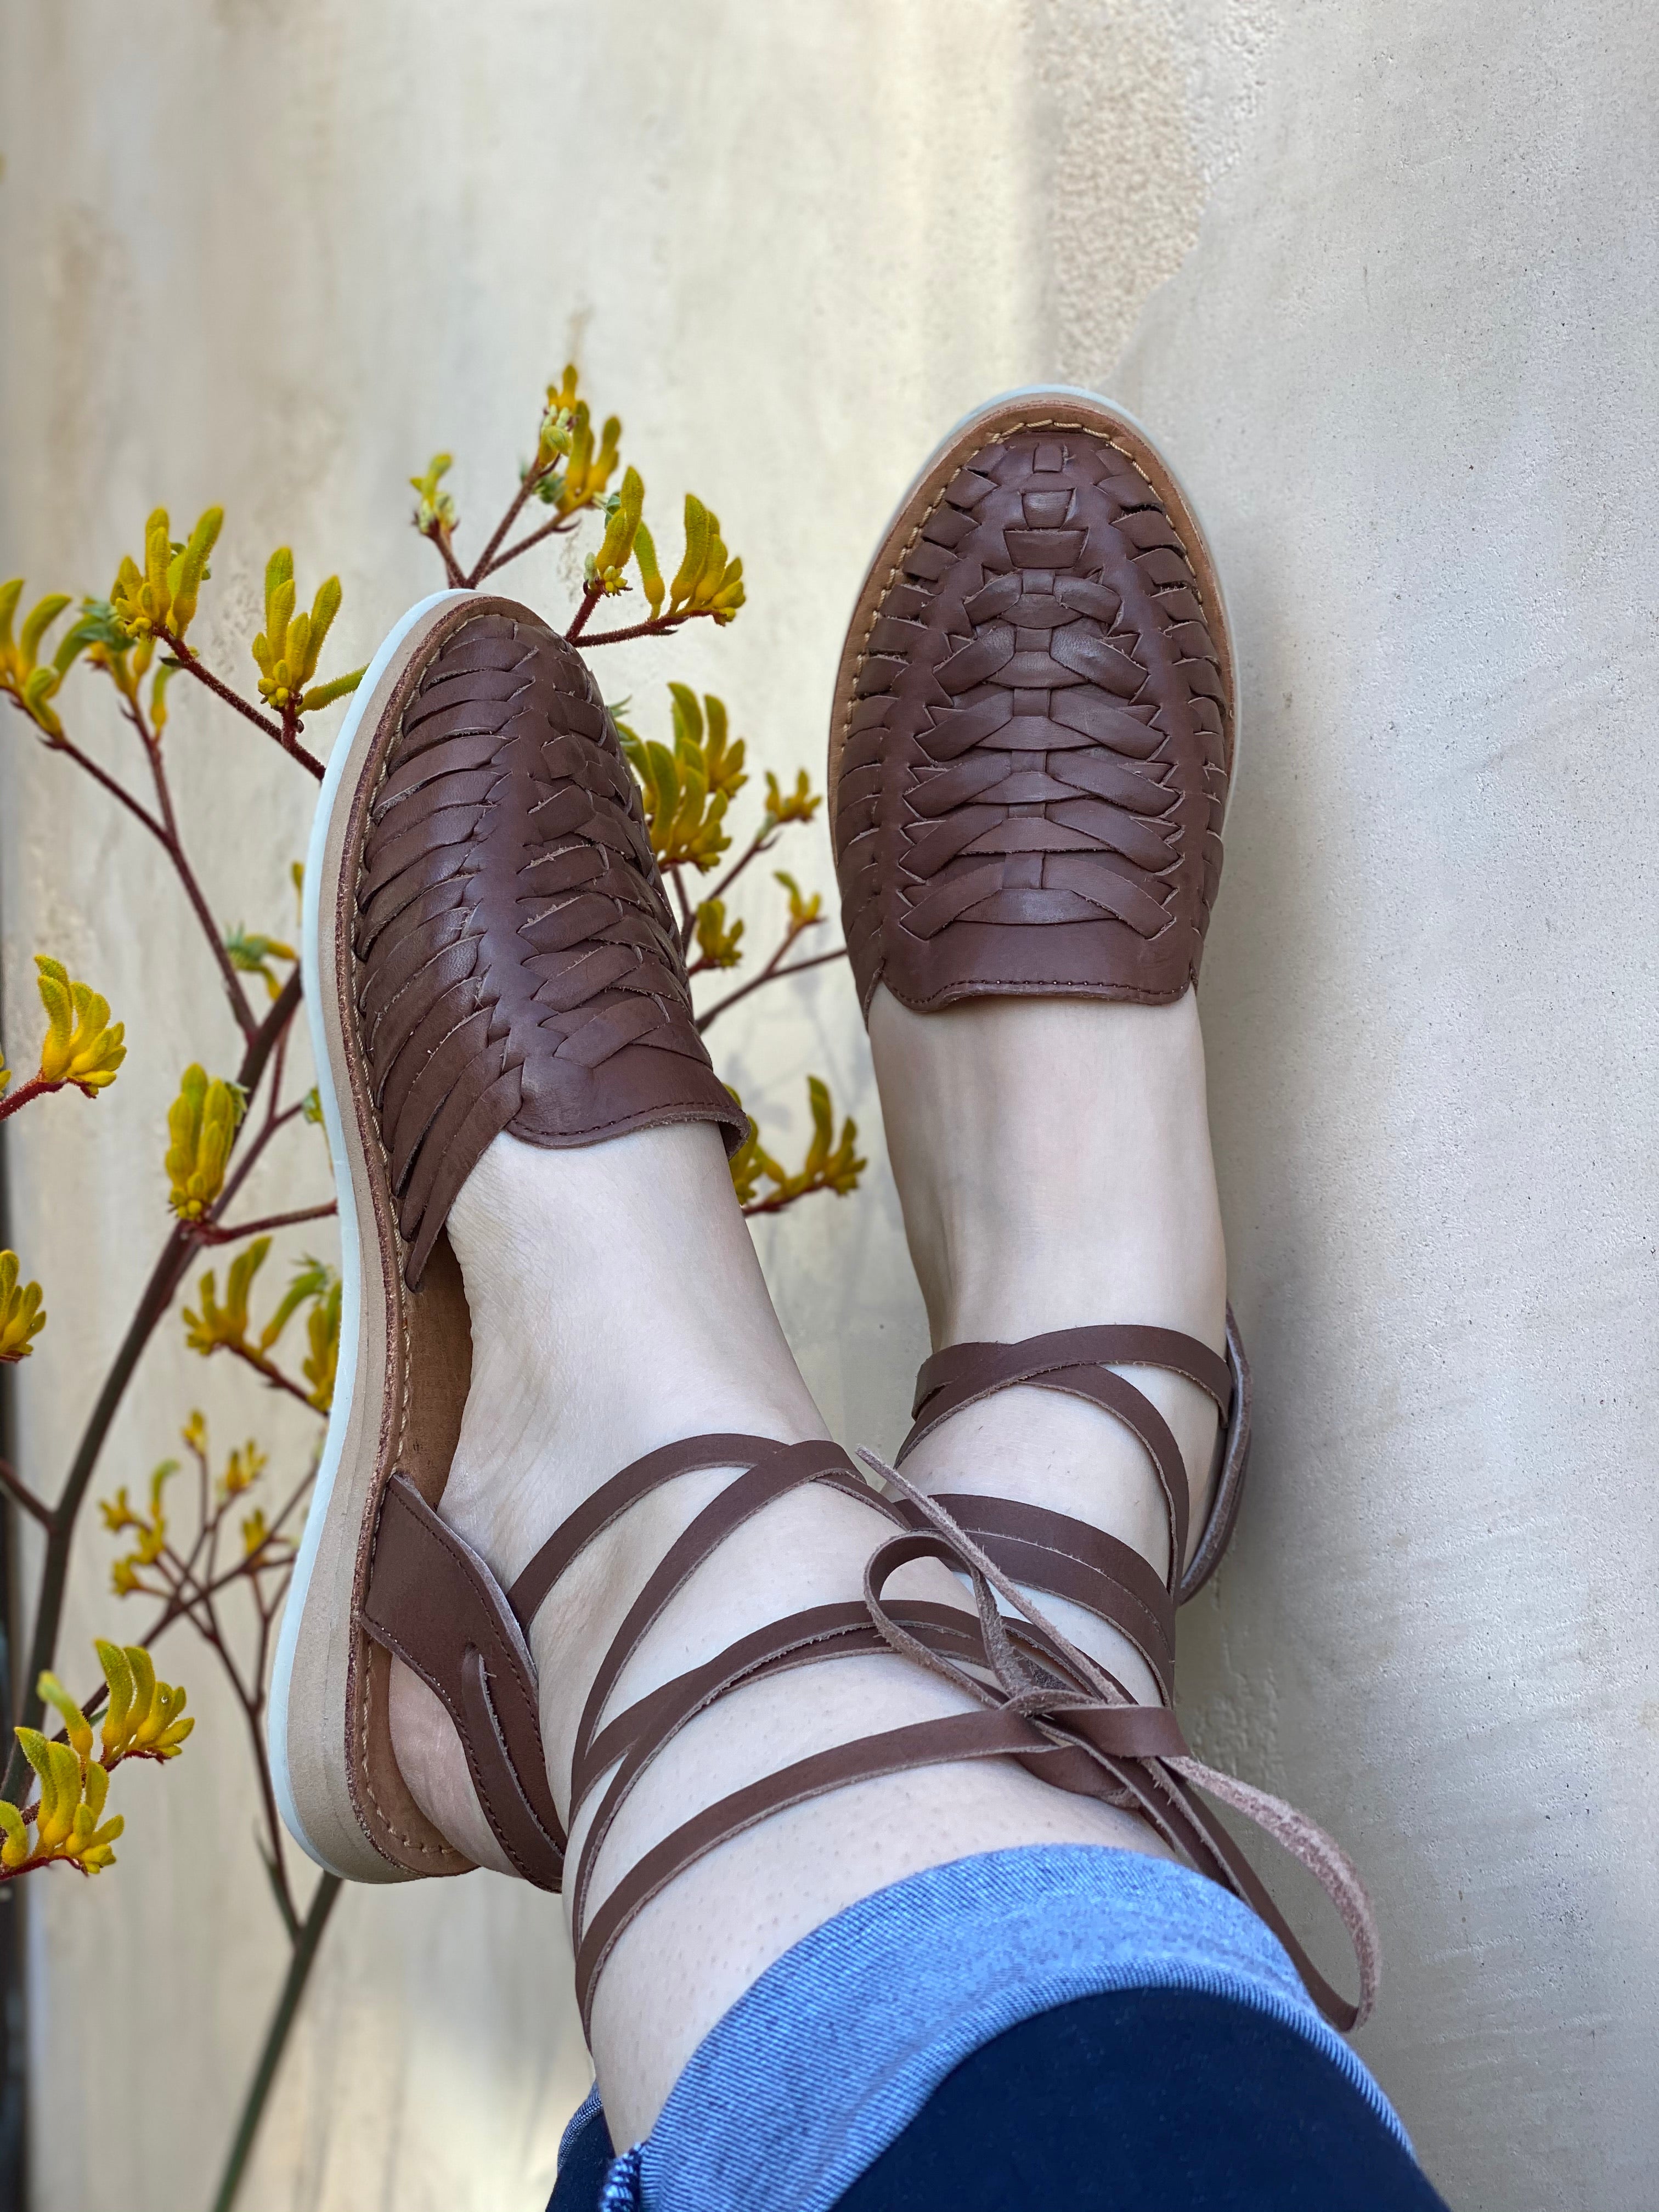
<point x="487" y="947"/>
<point x="1029" y="757"/>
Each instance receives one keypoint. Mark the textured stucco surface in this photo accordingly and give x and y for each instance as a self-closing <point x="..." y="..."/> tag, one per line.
<point x="1380" y="276"/>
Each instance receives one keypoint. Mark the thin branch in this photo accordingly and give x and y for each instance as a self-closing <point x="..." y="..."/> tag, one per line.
<point x="769" y="974"/>
<point x="762" y="842"/>
<point x="277" y="1875"/>
<point x="251" y="1696"/>
<point x="18" y="1491"/>
<point x="440" y="537"/>
<point x="253" y="1702"/>
<point x="236" y="1231"/>
<point x="181" y="1605"/>
<point x="515" y="508"/>
<point x="688" y="912"/>
<point x="190" y="1600"/>
<point x="274" y="1527"/>
<point x="561" y="526"/>
<point x="117" y="791"/>
<point x="250" y="1158"/>
<point x="590" y="599"/>
<point x="278" y="1066"/>
<point x="659" y="626"/>
<point x="246" y="1019"/>
<point x="165" y="831"/>
<point x="249" y="1567"/>
<point x="269" y="1369"/>
<point x="207" y="1521"/>
<point x="192" y="662"/>
<point x="299" y="1970"/>
<point x="36" y="1087"/>
<point x="178" y="1605"/>
<point x="780" y="1199"/>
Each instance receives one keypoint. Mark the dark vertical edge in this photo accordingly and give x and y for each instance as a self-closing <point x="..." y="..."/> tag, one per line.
<point x="14" y="2040"/>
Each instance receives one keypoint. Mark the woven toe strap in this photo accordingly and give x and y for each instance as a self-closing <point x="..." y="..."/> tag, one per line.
<point x="1083" y="1362"/>
<point x="516" y="964"/>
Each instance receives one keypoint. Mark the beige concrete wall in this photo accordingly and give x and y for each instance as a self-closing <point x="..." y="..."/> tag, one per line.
<point x="1379" y="275"/>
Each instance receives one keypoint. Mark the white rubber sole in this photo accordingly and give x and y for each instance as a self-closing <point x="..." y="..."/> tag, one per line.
<point x="279" y="1715"/>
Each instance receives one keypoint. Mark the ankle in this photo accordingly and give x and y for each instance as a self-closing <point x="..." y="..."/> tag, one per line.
<point x="1053" y="1159"/>
<point x="615" y="1306"/>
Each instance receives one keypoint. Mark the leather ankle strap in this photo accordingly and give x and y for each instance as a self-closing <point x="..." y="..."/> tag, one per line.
<point x="1082" y="1362"/>
<point x="1091" y="1739"/>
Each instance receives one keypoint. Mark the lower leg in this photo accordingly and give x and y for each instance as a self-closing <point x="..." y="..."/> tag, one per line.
<point x="616" y="1305"/>
<point x="1053" y="1161"/>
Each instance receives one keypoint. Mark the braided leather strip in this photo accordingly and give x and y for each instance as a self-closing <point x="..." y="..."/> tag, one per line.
<point x="1031" y="789"/>
<point x="518" y="967"/>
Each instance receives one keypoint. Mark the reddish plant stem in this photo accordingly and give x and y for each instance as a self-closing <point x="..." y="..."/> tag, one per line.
<point x="15" y="1487"/>
<point x="282" y="2021"/>
<point x="116" y="790"/>
<point x="176" y="1603"/>
<point x="590" y="599"/>
<point x="779" y="1200"/>
<point x="272" y="1373"/>
<point x="190" y="1601"/>
<point x="233" y="1232"/>
<point x="251" y="1696"/>
<point x="762" y="842"/>
<point x="440" y="537"/>
<point x="246" y="1166"/>
<point x="36" y="1087"/>
<point x="688" y="912"/>
<point x="770" y="974"/>
<point x="658" y="626"/>
<point x="165" y="830"/>
<point x="515" y="508"/>
<point x="244" y="1017"/>
<point x="561" y="526"/>
<point x="194" y="667"/>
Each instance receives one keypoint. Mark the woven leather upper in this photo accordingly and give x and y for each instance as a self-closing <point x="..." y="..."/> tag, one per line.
<point x="1033" y="772"/>
<point x="517" y="965"/>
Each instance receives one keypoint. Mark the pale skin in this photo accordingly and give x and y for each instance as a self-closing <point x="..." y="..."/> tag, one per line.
<point x="1053" y="1161"/>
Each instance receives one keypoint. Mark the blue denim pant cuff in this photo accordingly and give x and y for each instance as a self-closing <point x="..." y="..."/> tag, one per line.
<point x="822" y="2063"/>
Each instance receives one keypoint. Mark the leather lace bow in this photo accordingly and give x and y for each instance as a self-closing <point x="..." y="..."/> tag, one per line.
<point x="1089" y="1736"/>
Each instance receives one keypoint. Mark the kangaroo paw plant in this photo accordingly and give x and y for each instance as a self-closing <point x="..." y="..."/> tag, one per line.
<point x="209" y="1542"/>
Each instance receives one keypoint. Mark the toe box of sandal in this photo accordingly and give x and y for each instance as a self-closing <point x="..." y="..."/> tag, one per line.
<point x="1032" y="733"/>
